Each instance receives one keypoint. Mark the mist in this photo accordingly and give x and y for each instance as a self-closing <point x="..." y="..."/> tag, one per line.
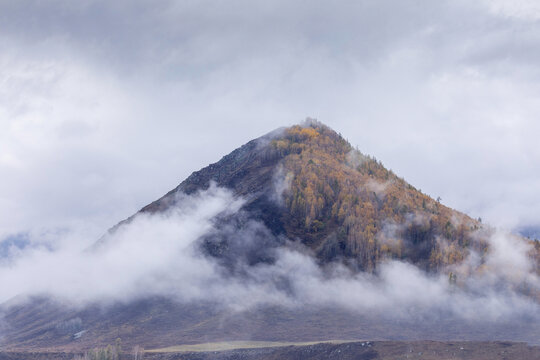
<point x="160" y="255"/>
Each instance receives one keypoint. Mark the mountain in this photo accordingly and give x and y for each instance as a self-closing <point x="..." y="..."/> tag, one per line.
<point x="306" y="183"/>
<point x="303" y="187"/>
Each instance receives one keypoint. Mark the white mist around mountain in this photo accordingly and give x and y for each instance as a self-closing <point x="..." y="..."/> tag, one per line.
<point x="159" y="255"/>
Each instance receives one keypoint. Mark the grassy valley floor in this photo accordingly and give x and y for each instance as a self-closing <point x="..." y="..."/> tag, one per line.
<point x="333" y="349"/>
<point x="345" y="350"/>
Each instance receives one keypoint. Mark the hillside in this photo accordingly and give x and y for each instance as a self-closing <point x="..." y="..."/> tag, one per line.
<point x="309" y="184"/>
<point x="308" y="194"/>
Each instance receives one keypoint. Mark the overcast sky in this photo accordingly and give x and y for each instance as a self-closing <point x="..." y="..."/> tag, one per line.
<point x="107" y="105"/>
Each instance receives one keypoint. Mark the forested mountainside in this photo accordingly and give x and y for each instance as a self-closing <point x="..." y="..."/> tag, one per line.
<point x="302" y="192"/>
<point x="306" y="183"/>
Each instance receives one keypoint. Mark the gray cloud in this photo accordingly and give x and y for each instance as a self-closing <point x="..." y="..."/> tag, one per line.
<point x="106" y="106"/>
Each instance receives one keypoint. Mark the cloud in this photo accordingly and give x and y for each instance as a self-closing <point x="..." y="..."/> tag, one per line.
<point x="521" y="9"/>
<point x="161" y="254"/>
<point x="102" y="101"/>
<point x="106" y="106"/>
<point x="149" y="255"/>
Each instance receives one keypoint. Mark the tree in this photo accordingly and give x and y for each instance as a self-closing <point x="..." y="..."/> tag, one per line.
<point x="452" y="279"/>
<point x="138" y="353"/>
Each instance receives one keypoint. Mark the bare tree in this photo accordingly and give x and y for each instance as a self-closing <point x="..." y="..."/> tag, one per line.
<point x="138" y="353"/>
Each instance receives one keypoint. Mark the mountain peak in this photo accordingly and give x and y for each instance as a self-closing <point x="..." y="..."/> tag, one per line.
<point x="302" y="189"/>
<point x="307" y="184"/>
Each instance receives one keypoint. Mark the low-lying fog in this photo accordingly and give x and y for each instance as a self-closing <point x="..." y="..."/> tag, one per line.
<point x="159" y="255"/>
